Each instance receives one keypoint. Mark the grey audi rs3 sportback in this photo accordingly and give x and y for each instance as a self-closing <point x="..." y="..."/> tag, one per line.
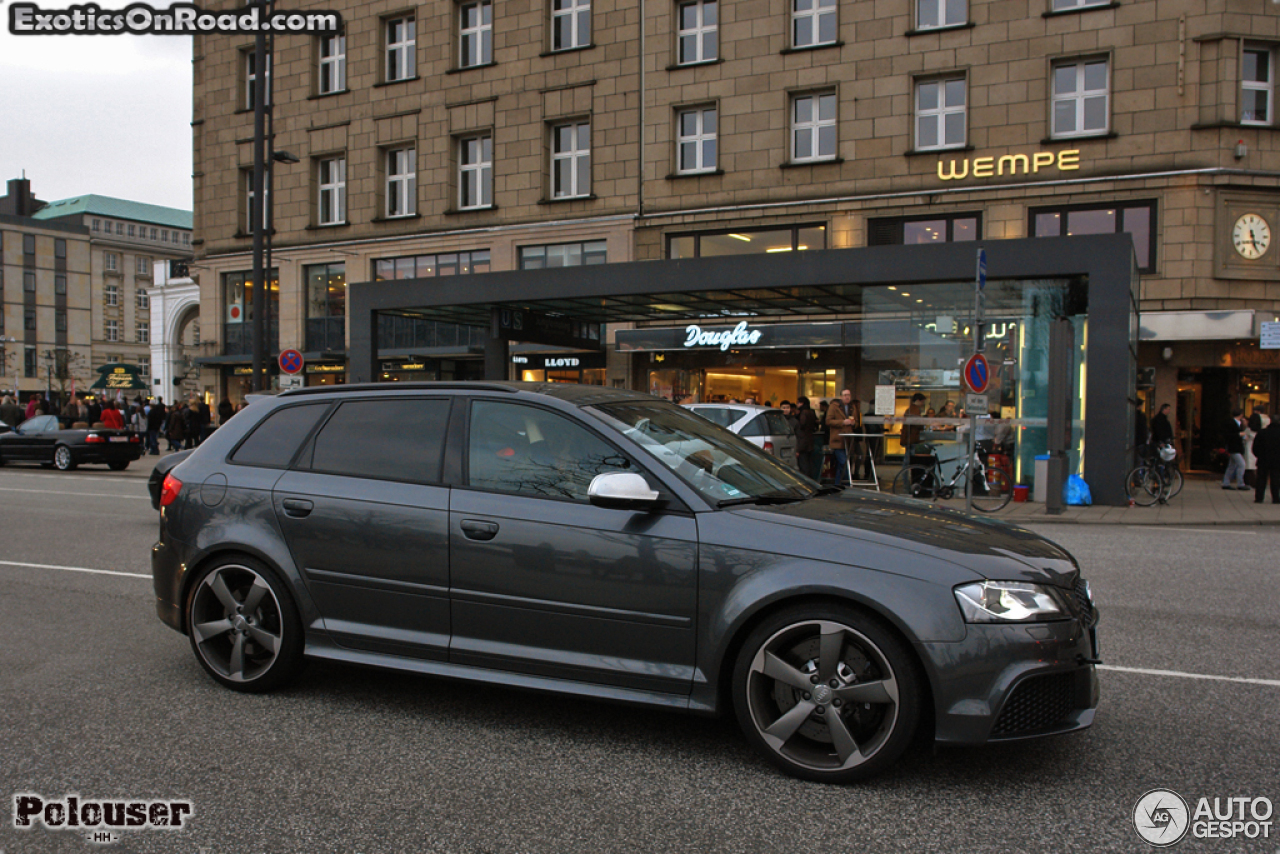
<point x="608" y="544"/>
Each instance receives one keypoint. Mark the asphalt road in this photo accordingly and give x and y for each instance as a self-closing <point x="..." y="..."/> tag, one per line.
<point x="98" y="698"/>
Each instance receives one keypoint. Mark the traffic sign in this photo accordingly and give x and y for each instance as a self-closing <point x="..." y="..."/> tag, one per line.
<point x="976" y="404"/>
<point x="290" y="361"/>
<point x="977" y="373"/>
<point x="1270" y="338"/>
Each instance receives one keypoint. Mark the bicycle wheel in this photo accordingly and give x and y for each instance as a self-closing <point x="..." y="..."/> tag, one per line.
<point x="995" y="494"/>
<point x="1174" y="476"/>
<point x="916" y="482"/>
<point x="1144" y="486"/>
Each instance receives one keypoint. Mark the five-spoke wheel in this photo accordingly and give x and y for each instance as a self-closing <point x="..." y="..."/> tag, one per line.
<point x="243" y="626"/>
<point x="827" y="693"/>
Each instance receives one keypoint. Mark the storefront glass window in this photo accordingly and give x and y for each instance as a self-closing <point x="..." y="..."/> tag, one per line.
<point x="326" y="307"/>
<point x="237" y="291"/>
<point x="747" y="241"/>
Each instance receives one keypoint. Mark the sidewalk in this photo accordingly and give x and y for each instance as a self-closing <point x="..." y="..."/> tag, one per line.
<point x="1202" y="501"/>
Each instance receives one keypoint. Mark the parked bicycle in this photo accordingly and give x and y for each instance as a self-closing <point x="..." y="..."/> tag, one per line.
<point x="992" y="488"/>
<point x="1156" y="478"/>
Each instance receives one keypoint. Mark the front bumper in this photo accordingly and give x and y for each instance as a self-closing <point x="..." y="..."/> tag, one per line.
<point x="1010" y="682"/>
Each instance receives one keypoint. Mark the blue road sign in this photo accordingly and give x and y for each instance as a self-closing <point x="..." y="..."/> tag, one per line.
<point x="977" y="373"/>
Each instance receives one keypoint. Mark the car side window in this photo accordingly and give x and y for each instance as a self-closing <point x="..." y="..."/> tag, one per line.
<point x="758" y="426"/>
<point x="389" y="439"/>
<point x="776" y="424"/>
<point x="530" y="451"/>
<point x="40" y="424"/>
<point x="274" y="442"/>
<point x="716" y="415"/>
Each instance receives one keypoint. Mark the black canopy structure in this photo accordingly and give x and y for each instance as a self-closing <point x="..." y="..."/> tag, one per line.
<point x="1100" y="272"/>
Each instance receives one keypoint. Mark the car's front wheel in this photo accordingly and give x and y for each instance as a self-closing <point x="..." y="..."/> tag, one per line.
<point x="63" y="460"/>
<point x="243" y="625"/>
<point x="827" y="693"/>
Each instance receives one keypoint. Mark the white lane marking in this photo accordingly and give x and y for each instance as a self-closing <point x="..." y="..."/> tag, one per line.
<point x="73" y="569"/>
<point x="69" y="477"/>
<point x="1147" y="672"/>
<point x="76" y="494"/>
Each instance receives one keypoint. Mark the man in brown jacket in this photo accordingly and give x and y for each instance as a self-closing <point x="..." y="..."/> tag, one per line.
<point x="911" y="432"/>
<point x="843" y="417"/>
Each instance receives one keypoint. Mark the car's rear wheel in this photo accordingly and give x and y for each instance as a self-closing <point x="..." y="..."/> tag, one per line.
<point x="827" y="693"/>
<point x="63" y="459"/>
<point x="119" y="465"/>
<point x="244" y="626"/>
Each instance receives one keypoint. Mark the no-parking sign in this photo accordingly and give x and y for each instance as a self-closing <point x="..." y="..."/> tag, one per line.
<point x="977" y="373"/>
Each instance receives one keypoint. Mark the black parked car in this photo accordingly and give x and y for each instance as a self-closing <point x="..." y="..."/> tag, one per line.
<point x="42" y="440"/>
<point x="608" y="544"/>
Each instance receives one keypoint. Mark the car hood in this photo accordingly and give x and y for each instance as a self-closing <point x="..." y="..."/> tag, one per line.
<point x="990" y="548"/>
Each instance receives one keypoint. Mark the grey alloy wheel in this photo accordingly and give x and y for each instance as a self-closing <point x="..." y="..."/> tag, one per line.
<point x="243" y="626"/>
<point x="62" y="458"/>
<point x="827" y="693"/>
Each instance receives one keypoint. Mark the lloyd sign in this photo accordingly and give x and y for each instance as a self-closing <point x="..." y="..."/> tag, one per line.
<point x="741" y="335"/>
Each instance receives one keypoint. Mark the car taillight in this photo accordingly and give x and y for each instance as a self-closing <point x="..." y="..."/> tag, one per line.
<point x="93" y="439"/>
<point x="134" y="438"/>
<point x="169" y="490"/>
<point x="768" y="447"/>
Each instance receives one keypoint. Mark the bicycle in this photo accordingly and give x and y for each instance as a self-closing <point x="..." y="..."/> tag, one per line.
<point x="1156" y="478"/>
<point x="992" y="489"/>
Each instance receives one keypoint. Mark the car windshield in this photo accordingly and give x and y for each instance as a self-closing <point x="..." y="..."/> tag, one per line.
<point x="720" y="466"/>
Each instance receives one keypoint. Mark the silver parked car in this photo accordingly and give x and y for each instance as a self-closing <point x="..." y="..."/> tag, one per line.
<point x="762" y="426"/>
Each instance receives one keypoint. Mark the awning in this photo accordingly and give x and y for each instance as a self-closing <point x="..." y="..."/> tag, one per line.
<point x="118" y="376"/>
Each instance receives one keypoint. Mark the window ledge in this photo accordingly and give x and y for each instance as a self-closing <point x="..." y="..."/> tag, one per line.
<point x="1087" y="137"/>
<point x="797" y="164"/>
<point x="679" y="65"/>
<point x="478" y="209"/>
<point x="396" y="82"/>
<point x="1230" y="126"/>
<point x="921" y="31"/>
<point x="590" y="197"/>
<point x="566" y="50"/>
<point x="1053" y="13"/>
<point x="809" y="47"/>
<point x="400" y="218"/>
<point x="318" y="95"/>
<point x="327" y="225"/>
<point x="462" y="68"/>
<point x="951" y="149"/>
<point x="703" y="174"/>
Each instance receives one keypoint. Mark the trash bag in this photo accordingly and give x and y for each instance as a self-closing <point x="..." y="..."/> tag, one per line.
<point x="1076" y="492"/>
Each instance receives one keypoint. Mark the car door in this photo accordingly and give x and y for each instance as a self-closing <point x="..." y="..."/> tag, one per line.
<point x="544" y="582"/>
<point x="365" y="514"/>
<point x="37" y="439"/>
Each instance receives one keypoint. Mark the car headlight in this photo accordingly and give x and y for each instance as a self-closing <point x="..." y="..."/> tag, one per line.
<point x="1008" y="602"/>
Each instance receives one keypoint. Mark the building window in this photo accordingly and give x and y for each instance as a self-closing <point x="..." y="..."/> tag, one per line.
<point x="164" y="235"/>
<point x="813" y="127"/>
<point x="120" y="228"/>
<point x="29" y="366"/>
<point x="564" y="255"/>
<point x="698" y="32"/>
<point x="941" y="13"/>
<point x="333" y="64"/>
<point x="428" y="266"/>
<point x="111" y="261"/>
<point x="59" y="248"/>
<point x="143" y="301"/>
<point x="326" y="307"/>
<point x="144" y="367"/>
<point x="813" y="22"/>
<point x="28" y="244"/>
<point x="1255" y="83"/>
<point x="131" y="227"/>
<point x="475" y="172"/>
<point x="143" y="265"/>
<point x="97" y="225"/>
<point x="1080" y="96"/>
<point x="940" y="114"/>
<point x="113" y="330"/>
<point x="59" y="284"/>
<point x="571" y="160"/>
<point x="475" y="28"/>
<point x="401" y="49"/>
<point x="251" y="78"/>
<point x="696" y="140"/>
<point x="705" y="244"/>
<point x="250" y="209"/>
<point x="186" y="239"/>
<point x="143" y="332"/>
<point x="1138" y="219"/>
<point x="60" y="321"/>
<point x="29" y="320"/>
<point x="1068" y="5"/>
<point x="112" y="295"/>
<point x="402" y="182"/>
<point x="153" y="234"/>
<point x="29" y="282"/>
<point x="570" y="24"/>
<point x="332" y="197"/>
<point x="950" y="228"/>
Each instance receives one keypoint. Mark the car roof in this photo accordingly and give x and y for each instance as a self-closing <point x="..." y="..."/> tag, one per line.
<point x="571" y="393"/>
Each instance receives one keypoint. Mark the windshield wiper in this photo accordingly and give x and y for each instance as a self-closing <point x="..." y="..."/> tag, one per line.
<point x="764" y="498"/>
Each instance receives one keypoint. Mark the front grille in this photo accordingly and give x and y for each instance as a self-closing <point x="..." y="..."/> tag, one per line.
<point x="1081" y="592"/>
<point x="1035" y="704"/>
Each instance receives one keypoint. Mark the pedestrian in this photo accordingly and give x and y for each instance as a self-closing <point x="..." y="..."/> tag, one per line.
<point x="1161" y="428"/>
<point x="190" y="425"/>
<point x="806" y="427"/>
<point x="10" y="411"/>
<point x="156" y="421"/>
<point x="1266" y="447"/>
<point x="94" y="415"/>
<point x="111" y="416"/>
<point x="70" y="413"/>
<point x="910" y="435"/>
<point x="1235" y="451"/>
<point x="820" y="450"/>
<point x="32" y="405"/>
<point x="206" y="420"/>
<point x="225" y="411"/>
<point x="176" y="427"/>
<point x="843" y="417"/>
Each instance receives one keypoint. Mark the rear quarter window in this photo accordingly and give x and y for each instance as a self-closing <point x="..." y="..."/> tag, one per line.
<point x="273" y="443"/>
<point x="776" y="424"/>
<point x="719" y="415"/>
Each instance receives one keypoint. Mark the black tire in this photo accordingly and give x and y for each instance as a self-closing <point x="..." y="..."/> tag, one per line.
<point x="997" y="493"/>
<point x="917" y="482"/>
<point x="1144" y="486"/>
<point x="244" y="626"/>
<point x="118" y="465"/>
<point x="843" y="667"/>
<point x="63" y="459"/>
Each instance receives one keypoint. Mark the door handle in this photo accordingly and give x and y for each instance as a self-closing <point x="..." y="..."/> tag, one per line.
<point x="298" y="508"/>
<point x="482" y="531"/>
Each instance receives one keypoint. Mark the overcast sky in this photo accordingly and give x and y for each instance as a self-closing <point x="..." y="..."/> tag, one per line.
<point x="109" y="115"/>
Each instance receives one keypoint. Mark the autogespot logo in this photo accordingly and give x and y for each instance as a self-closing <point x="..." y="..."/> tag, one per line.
<point x="1161" y="817"/>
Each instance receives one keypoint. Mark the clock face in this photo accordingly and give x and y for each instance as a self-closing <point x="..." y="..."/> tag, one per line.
<point x="1251" y="236"/>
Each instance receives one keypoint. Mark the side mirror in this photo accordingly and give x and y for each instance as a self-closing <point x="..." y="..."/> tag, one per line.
<point x="624" y="489"/>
